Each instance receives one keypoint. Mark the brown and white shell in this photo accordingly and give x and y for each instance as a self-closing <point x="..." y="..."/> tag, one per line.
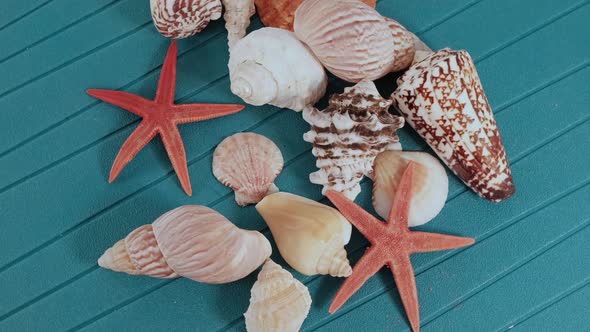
<point x="348" y="135"/>
<point x="183" y="18"/>
<point x="443" y="100"/>
<point x="237" y="18"/>
<point x="278" y="302"/>
<point x="352" y="40"/>
<point x="191" y="241"/>
<point x="281" y="13"/>
<point x="248" y="163"/>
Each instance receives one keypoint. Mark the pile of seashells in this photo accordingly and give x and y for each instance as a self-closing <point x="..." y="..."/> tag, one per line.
<point x="439" y="95"/>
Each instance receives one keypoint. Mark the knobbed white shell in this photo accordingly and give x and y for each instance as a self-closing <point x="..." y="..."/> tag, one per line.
<point x="248" y="163"/>
<point x="310" y="236"/>
<point x="352" y="40"/>
<point x="183" y="18"/>
<point x="191" y="241"/>
<point x="237" y="18"/>
<point x="278" y="302"/>
<point x="270" y="66"/>
<point x="430" y="184"/>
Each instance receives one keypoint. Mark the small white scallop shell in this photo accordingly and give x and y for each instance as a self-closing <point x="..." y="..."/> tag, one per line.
<point x="248" y="163"/>
<point x="183" y="18"/>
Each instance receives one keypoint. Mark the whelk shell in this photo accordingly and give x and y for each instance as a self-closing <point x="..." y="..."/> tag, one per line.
<point x="183" y="18"/>
<point x="430" y="184"/>
<point x="310" y="236"/>
<point x="443" y="100"/>
<point x="191" y="241"/>
<point x="248" y="163"/>
<point x="237" y="18"/>
<point x="278" y="302"/>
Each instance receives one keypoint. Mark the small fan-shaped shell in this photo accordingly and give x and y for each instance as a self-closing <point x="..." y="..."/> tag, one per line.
<point x="278" y="302"/>
<point x="183" y="18"/>
<point x="248" y="163"/>
<point x="237" y="18"/>
<point x="430" y="184"/>
<point x="310" y="236"/>
<point x="191" y="241"/>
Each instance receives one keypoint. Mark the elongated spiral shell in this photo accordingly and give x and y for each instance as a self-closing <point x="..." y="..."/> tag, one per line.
<point x="237" y="18"/>
<point x="348" y="135"/>
<point x="183" y="18"/>
<point x="278" y="302"/>
<point x="248" y="163"/>
<point x="191" y="241"/>
<point x="443" y="100"/>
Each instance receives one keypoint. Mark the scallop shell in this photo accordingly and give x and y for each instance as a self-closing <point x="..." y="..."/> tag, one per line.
<point x="237" y="18"/>
<point x="191" y="241"/>
<point x="248" y="163"/>
<point x="270" y="66"/>
<point x="430" y="184"/>
<point x="183" y="18"/>
<point x="281" y="13"/>
<point x="352" y="40"/>
<point x="278" y="302"/>
<point x="310" y="236"/>
<point x="348" y="135"/>
<point x="443" y="100"/>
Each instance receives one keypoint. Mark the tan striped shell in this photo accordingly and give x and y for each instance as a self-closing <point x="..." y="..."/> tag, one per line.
<point x="183" y="18"/>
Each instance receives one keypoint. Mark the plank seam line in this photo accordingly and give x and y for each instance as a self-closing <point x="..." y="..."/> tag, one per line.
<point x="447" y="17"/>
<point x="546" y="305"/>
<point x="58" y="31"/>
<point x="510" y="270"/>
<point x="31" y="11"/>
<point x="445" y="257"/>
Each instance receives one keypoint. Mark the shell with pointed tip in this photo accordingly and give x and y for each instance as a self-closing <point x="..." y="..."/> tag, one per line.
<point x="248" y="163"/>
<point x="237" y="18"/>
<point x="278" y="302"/>
<point x="191" y="241"/>
<point x="443" y="100"/>
<point x="310" y="236"/>
<point x="352" y="40"/>
<point x="183" y="18"/>
<point x="281" y="13"/>
<point x="348" y="135"/>
<point x="430" y="184"/>
<point x="270" y="66"/>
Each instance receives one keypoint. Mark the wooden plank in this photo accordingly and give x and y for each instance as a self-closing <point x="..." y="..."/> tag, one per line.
<point x="16" y="10"/>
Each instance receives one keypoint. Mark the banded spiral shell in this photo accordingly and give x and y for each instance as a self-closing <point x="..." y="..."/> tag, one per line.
<point x="248" y="163"/>
<point x="270" y="66"/>
<point x="183" y="18"/>
<point x="191" y="241"/>
<point x="310" y="236"/>
<point x="278" y="302"/>
<point x="443" y="100"/>
<point x="348" y="135"/>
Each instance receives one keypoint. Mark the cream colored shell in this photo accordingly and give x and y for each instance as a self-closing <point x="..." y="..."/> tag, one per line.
<point x="310" y="236"/>
<point x="183" y="18"/>
<point x="237" y="18"/>
<point x="270" y="66"/>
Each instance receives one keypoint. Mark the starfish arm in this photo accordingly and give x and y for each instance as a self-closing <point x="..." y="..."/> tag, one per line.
<point x="368" y="225"/>
<point x="403" y="273"/>
<point x="364" y="269"/>
<point x="177" y="154"/>
<point x="398" y="215"/>
<point x="125" y="100"/>
<point x="197" y="112"/>
<point x="425" y="242"/>
<point x="167" y="82"/>
<point x="134" y="143"/>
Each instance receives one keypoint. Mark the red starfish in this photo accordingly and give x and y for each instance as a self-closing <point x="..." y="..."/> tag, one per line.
<point x="160" y="116"/>
<point x="392" y="243"/>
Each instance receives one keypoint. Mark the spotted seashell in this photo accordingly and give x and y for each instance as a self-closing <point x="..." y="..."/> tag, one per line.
<point x="443" y="100"/>
<point x="183" y="18"/>
<point x="348" y="135"/>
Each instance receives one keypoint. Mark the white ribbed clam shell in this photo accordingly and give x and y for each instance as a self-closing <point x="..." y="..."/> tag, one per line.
<point x="183" y="18"/>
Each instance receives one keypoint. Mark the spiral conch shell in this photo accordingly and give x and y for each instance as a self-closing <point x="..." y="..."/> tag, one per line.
<point x="237" y="18"/>
<point x="278" y="302"/>
<point x="183" y="18"/>
<point x="430" y="184"/>
<point x="352" y="40"/>
<point x="310" y="236"/>
<point x="281" y="13"/>
<point x="270" y="66"/>
<point x="191" y="241"/>
<point x="248" y="163"/>
<point x="348" y="135"/>
<point x="443" y="100"/>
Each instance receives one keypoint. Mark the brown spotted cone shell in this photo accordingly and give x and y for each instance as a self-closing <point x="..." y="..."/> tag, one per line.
<point x="183" y="18"/>
<point x="442" y="98"/>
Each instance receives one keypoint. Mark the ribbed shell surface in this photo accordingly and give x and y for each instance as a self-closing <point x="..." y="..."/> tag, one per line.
<point x="183" y="18"/>
<point x="145" y="254"/>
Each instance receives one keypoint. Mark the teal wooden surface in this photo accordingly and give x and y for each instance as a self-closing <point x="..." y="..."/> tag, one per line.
<point x="528" y="271"/>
